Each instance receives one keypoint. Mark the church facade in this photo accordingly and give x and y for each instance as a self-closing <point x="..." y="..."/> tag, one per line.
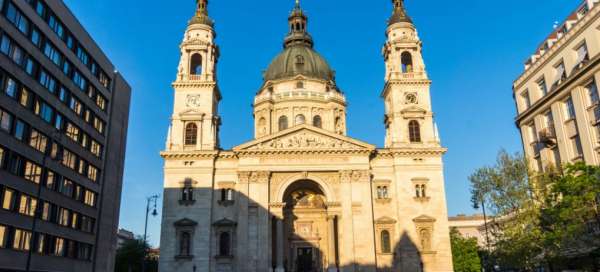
<point x="303" y="195"/>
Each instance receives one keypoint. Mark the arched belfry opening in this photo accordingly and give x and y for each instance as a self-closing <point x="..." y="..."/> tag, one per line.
<point x="308" y="236"/>
<point x="407" y="62"/>
<point x="196" y="64"/>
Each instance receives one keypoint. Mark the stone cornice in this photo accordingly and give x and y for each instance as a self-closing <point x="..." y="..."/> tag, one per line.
<point x="379" y="153"/>
<point x="557" y="47"/>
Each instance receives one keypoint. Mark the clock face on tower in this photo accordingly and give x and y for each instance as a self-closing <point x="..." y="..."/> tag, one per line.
<point x="411" y="98"/>
<point x="193" y="101"/>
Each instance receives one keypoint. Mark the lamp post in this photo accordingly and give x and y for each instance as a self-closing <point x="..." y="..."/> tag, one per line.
<point x="152" y="199"/>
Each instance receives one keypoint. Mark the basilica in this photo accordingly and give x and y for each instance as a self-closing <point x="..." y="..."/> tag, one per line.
<point x="303" y="195"/>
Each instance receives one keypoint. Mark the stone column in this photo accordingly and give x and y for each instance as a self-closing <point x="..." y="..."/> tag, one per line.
<point x="332" y="252"/>
<point x="279" y="251"/>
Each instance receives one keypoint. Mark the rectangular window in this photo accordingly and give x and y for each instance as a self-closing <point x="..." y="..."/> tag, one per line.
<point x="92" y="173"/>
<point x="592" y="90"/>
<point x="525" y="99"/>
<point x="582" y="55"/>
<point x="8" y="199"/>
<point x="3" y="234"/>
<point x="27" y="205"/>
<point x="2" y="155"/>
<point x="69" y="159"/>
<point x="96" y="148"/>
<point x="21" y="240"/>
<point x="570" y="108"/>
<point x="50" y="180"/>
<point x="101" y="102"/>
<point x="72" y="132"/>
<point x="5" y="121"/>
<point x="561" y="73"/>
<point x="19" y="131"/>
<point x="25" y="99"/>
<point x="98" y="125"/>
<point x="58" y="122"/>
<point x="17" y="55"/>
<point x="75" y="105"/>
<point x="104" y="80"/>
<point x="38" y="141"/>
<point x="15" y="17"/>
<point x="56" y="26"/>
<point x="67" y="187"/>
<point x="46" y="112"/>
<point x="35" y="37"/>
<point x="11" y="88"/>
<point x="41" y="244"/>
<point x="52" y="53"/>
<point x="576" y="146"/>
<point x="82" y="55"/>
<point x="90" y="198"/>
<point x="48" y="81"/>
<point x="46" y="211"/>
<point x="64" y="216"/>
<point x="30" y="66"/>
<point x="63" y="94"/>
<point x="542" y="86"/>
<point x="5" y="45"/>
<point x="33" y="172"/>
<point x="59" y="247"/>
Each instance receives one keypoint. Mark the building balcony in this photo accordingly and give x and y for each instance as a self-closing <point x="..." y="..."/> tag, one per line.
<point x="308" y="95"/>
<point x="406" y="76"/>
<point x="547" y="137"/>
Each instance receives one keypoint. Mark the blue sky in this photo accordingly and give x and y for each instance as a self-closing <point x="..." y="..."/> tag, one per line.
<point x="473" y="50"/>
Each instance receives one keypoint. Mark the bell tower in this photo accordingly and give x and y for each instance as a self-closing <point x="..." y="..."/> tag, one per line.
<point x="408" y="115"/>
<point x="195" y="121"/>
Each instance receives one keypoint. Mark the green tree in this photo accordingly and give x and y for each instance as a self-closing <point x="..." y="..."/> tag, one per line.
<point x="571" y="207"/>
<point x="464" y="253"/>
<point x="504" y="189"/>
<point x="129" y="257"/>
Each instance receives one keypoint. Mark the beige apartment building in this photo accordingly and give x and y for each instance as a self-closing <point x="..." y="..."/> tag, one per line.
<point x="470" y="226"/>
<point x="557" y="95"/>
<point x="302" y="195"/>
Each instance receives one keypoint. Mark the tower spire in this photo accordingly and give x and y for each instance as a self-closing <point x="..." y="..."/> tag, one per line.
<point x="201" y="16"/>
<point x="399" y="15"/>
<point x="298" y="28"/>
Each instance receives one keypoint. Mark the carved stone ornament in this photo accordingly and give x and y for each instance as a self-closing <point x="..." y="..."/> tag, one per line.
<point x="193" y="101"/>
<point x="305" y="140"/>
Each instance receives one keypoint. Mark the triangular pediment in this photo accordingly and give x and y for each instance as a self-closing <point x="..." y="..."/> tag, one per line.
<point x="185" y="223"/>
<point x="414" y="109"/>
<point x="190" y="112"/>
<point x="305" y="137"/>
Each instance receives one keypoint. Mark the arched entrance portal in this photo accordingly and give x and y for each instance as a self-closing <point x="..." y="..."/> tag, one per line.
<point x="306" y="229"/>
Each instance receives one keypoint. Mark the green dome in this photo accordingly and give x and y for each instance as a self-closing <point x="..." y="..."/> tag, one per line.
<point x="299" y="59"/>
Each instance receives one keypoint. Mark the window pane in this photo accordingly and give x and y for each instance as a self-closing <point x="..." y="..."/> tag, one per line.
<point x="2" y="236"/>
<point x="11" y="88"/>
<point x="8" y="199"/>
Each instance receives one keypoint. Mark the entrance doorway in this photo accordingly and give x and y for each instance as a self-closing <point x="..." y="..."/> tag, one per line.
<point x="304" y="259"/>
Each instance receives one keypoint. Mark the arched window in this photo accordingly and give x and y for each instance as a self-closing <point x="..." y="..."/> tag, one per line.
<point x="191" y="134"/>
<point x="224" y="244"/>
<point x="385" y="242"/>
<point x="196" y="65"/>
<point x="283" y="123"/>
<point x="262" y="126"/>
<point x="300" y="119"/>
<point x="184" y="244"/>
<point x="407" y="63"/>
<point x="317" y="122"/>
<point x="414" y="130"/>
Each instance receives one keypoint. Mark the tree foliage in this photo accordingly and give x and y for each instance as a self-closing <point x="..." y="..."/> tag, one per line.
<point x="129" y="257"/>
<point x="464" y="253"/>
<point x="539" y="219"/>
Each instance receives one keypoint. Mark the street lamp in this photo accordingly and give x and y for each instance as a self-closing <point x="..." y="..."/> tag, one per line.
<point x="152" y="199"/>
